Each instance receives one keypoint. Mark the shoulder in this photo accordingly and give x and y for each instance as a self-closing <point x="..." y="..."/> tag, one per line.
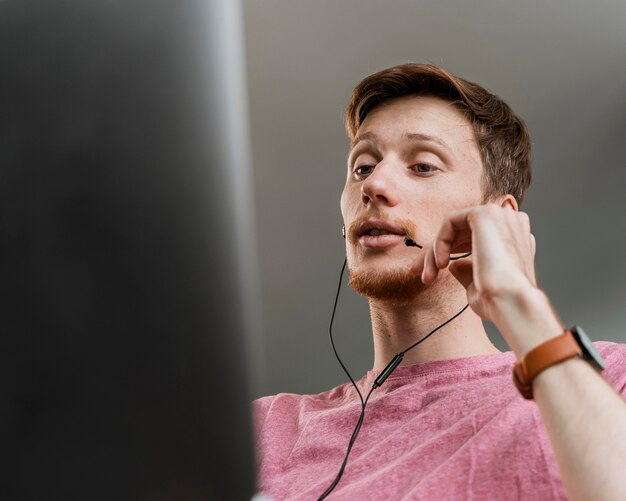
<point x="290" y="404"/>
<point x="614" y="356"/>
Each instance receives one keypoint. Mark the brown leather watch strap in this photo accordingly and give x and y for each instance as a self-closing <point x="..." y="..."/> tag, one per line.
<point x="552" y="352"/>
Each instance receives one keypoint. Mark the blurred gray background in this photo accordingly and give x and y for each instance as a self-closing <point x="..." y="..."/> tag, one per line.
<point x="560" y="64"/>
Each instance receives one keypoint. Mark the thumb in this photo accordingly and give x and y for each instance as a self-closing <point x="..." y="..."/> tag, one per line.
<point x="462" y="271"/>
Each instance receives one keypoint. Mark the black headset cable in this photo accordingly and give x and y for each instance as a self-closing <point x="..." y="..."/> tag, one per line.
<point x="384" y="374"/>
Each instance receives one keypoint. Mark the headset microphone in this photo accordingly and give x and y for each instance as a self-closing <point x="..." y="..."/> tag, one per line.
<point x="412" y="243"/>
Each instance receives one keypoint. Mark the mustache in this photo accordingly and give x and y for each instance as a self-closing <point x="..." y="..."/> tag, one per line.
<point x="406" y="225"/>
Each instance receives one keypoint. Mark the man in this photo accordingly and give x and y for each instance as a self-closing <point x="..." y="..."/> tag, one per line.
<point x="441" y="161"/>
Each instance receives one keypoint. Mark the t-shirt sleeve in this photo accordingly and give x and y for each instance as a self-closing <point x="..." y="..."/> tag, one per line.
<point x="614" y="356"/>
<point x="260" y="410"/>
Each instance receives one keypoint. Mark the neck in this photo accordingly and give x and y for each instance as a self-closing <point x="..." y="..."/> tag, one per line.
<point x="396" y="327"/>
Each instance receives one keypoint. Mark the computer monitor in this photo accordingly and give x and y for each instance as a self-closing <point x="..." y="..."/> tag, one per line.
<point x="123" y="358"/>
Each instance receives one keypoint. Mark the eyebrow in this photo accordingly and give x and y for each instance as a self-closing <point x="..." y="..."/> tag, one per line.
<point x="412" y="136"/>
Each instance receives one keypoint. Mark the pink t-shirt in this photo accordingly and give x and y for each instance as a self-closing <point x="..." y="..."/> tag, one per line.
<point x="449" y="429"/>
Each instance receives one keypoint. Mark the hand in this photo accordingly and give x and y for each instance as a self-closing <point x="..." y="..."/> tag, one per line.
<point x="501" y="269"/>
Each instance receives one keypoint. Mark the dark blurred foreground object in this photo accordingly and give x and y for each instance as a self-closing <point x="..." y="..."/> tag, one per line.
<point x="122" y="357"/>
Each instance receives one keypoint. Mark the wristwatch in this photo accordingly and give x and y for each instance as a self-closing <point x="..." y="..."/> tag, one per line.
<point x="572" y="343"/>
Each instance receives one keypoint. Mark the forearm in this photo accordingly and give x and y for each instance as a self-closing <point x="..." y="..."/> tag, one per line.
<point x="586" y="423"/>
<point x="583" y="414"/>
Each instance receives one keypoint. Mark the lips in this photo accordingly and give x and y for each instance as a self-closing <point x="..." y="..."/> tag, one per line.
<point x="375" y="228"/>
<point x="379" y="234"/>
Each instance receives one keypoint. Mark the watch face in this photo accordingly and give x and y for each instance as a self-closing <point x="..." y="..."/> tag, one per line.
<point x="589" y="352"/>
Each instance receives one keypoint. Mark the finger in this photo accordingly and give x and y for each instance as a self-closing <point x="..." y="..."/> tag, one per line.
<point x="454" y="235"/>
<point x="430" y="267"/>
<point x="463" y="272"/>
<point x="418" y="267"/>
<point x="525" y="218"/>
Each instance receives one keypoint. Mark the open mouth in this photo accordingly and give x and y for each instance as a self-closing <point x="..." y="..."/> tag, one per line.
<point x="379" y="234"/>
<point x="377" y="228"/>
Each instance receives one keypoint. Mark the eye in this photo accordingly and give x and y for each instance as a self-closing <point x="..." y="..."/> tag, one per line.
<point x="363" y="170"/>
<point x="424" y="168"/>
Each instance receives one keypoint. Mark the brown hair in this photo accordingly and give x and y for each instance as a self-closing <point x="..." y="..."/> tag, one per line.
<point x="502" y="136"/>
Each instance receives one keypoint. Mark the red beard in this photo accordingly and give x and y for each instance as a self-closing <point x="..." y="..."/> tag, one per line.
<point x="397" y="286"/>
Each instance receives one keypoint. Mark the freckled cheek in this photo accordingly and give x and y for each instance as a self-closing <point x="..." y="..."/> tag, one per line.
<point x="469" y="194"/>
<point x="427" y="215"/>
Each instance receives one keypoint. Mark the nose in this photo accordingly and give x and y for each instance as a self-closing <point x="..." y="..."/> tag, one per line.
<point x="379" y="188"/>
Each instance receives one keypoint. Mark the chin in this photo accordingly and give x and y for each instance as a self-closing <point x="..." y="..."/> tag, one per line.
<point x="392" y="286"/>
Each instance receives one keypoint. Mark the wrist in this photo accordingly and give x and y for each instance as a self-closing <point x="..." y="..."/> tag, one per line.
<point x="526" y="320"/>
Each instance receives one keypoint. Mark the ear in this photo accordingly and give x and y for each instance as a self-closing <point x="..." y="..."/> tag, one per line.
<point x="504" y="200"/>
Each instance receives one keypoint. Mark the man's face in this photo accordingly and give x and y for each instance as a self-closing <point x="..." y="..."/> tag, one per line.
<point x="414" y="160"/>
